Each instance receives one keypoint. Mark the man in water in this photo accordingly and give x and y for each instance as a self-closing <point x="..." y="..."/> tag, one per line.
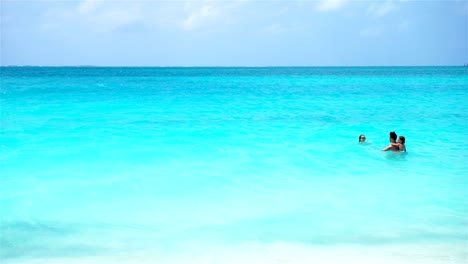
<point x="393" y="143"/>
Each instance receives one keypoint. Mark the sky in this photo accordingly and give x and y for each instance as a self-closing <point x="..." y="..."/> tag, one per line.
<point x="234" y="32"/>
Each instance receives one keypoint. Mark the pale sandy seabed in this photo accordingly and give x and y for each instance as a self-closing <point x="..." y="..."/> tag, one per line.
<point x="284" y="253"/>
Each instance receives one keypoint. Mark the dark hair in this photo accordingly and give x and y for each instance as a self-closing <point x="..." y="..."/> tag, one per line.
<point x="362" y="135"/>
<point x="402" y="138"/>
<point x="393" y="135"/>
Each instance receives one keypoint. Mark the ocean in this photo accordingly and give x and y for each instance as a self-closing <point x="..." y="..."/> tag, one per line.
<point x="233" y="165"/>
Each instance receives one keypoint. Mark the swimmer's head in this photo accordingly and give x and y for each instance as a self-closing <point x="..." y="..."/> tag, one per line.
<point x="393" y="136"/>
<point x="401" y="139"/>
<point x="362" y="138"/>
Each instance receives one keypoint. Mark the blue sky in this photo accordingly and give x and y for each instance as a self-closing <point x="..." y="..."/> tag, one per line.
<point x="234" y="32"/>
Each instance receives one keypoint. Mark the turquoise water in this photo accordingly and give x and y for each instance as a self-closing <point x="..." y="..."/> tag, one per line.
<point x="233" y="165"/>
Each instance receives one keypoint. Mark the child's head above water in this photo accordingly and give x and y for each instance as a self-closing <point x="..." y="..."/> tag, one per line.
<point x="401" y="139"/>
<point x="362" y="138"/>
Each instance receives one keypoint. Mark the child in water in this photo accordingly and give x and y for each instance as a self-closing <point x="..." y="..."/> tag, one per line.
<point x="362" y="138"/>
<point x="401" y="143"/>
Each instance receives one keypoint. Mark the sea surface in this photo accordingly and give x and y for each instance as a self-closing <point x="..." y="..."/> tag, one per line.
<point x="233" y="165"/>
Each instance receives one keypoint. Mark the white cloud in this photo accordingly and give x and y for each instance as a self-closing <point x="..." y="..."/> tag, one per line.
<point x="380" y="9"/>
<point x="88" y="6"/>
<point x="377" y="8"/>
<point x="100" y="16"/>
<point x="278" y="29"/>
<point x="200" y="16"/>
<point x="117" y="18"/>
<point x="93" y="16"/>
<point x="328" y="5"/>
<point x="178" y="14"/>
<point x="109" y="17"/>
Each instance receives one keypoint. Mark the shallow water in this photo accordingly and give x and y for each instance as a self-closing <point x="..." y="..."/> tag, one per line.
<point x="216" y="165"/>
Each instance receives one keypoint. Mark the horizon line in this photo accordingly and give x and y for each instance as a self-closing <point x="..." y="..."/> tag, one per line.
<point x="231" y="66"/>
